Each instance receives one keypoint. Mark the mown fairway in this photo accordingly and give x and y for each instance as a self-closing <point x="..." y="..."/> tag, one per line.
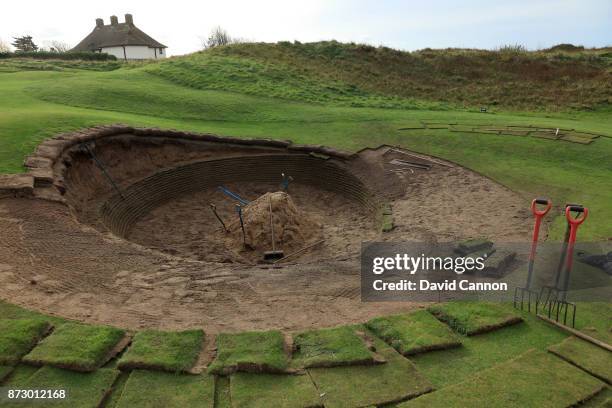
<point x="224" y="92"/>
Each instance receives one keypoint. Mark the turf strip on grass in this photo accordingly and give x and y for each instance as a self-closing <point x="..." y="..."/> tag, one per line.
<point x="255" y="351"/>
<point x="77" y="347"/>
<point x="534" y="379"/>
<point x="165" y="351"/>
<point x="273" y="390"/>
<point x="83" y="390"/>
<point x="332" y="347"/>
<point x="414" y="333"/>
<point x="154" y="389"/>
<point x="472" y="318"/>
<point x="589" y="357"/>
<point x="394" y="381"/>
<point x="18" y="337"/>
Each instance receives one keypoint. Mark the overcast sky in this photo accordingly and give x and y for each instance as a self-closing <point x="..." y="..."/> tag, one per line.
<point x="408" y="24"/>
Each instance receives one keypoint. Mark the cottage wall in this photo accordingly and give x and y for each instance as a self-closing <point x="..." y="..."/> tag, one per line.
<point x="135" y="52"/>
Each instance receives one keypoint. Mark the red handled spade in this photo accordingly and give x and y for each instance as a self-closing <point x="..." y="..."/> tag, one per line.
<point x="539" y="214"/>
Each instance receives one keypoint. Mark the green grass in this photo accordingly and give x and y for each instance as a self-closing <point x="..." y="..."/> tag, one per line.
<point x="70" y="100"/>
<point x="30" y="64"/>
<point x="167" y="351"/>
<point x="478" y="353"/>
<point x="83" y="390"/>
<point x="329" y="71"/>
<point x="117" y="389"/>
<point x="414" y="333"/>
<point x="472" y="318"/>
<point x="76" y="346"/>
<point x="19" y="375"/>
<point x="595" y="320"/>
<point x="396" y="380"/>
<point x="9" y="311"/>
<point x="18" y="337"/>
<point x="163" y="390"/>
<point x="256" y="351"/>
<point x="535" y="379"/>
<point x="5" y="371"/>
<point x="223" y="397"/>
<point x="592" y="359"/>
<point x="331" y="347"/>
<point x="273" y="390"/>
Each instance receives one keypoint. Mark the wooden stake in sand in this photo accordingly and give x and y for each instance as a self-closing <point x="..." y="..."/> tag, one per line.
<point x="273" y="254"/>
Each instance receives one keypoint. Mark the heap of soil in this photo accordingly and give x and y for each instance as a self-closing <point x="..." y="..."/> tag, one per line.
<point x="293" y="228"/>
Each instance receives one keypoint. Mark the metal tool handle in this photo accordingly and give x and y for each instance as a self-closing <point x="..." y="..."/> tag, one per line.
<point x="271" y="223"/>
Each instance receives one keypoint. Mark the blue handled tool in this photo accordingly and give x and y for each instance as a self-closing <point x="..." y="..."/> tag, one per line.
<point x="233" y="195"/>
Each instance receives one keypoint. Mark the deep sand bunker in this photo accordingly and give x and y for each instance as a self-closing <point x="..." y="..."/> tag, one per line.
<point x="151" y="253"/>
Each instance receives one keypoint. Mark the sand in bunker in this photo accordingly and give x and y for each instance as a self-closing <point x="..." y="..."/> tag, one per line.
<point x="272" y="212"/>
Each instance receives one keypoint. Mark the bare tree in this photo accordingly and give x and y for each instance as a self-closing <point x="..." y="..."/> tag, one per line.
<point x="4" y="47"/>
<point x="218" y="36"/>
<point x="59" y="46"/>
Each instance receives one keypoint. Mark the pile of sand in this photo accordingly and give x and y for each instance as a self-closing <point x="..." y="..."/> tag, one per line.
<point x="293" y="229"/>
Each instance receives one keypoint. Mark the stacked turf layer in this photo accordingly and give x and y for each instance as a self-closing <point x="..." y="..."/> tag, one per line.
<point x="166" y="351"/>
<point x="396" y="380"/>
<point x="414" y="333"/>
<point x="344" y="345"/>
<point x="251" y="352"/>
<point x="535" y="379"/>
<point x="78" y="347"/>
<point x="18" y="337"/>
<point x="472" y="318"/>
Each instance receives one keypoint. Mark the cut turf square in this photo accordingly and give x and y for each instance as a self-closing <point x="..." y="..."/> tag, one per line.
<point x="82" y="389"/>
<point x="358" y="386"/>
<point x="166" y="351"/>
<point x="332" y="347"/>
<point x="589" y="357"/>
<point x="414" y="333"/>
<point x="273" y="390"/>
<point x="251" y="352"/>
<point x="534" y="379"/>
<point x="18" y="337"/>
<point x="472" y="318"/>
<point x="153" y="389"/>
<point x="78" y="347"/>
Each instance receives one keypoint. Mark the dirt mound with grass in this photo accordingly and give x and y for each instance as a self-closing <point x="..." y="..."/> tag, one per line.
<point x="293" y="228"/>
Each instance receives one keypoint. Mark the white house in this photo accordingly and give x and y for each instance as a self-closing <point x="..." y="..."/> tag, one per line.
<point x="123" y="40"/>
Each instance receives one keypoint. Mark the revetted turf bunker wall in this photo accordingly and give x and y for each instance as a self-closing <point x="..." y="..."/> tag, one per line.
<point x="150" y="174"/>
<point x="120" y="212"/>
